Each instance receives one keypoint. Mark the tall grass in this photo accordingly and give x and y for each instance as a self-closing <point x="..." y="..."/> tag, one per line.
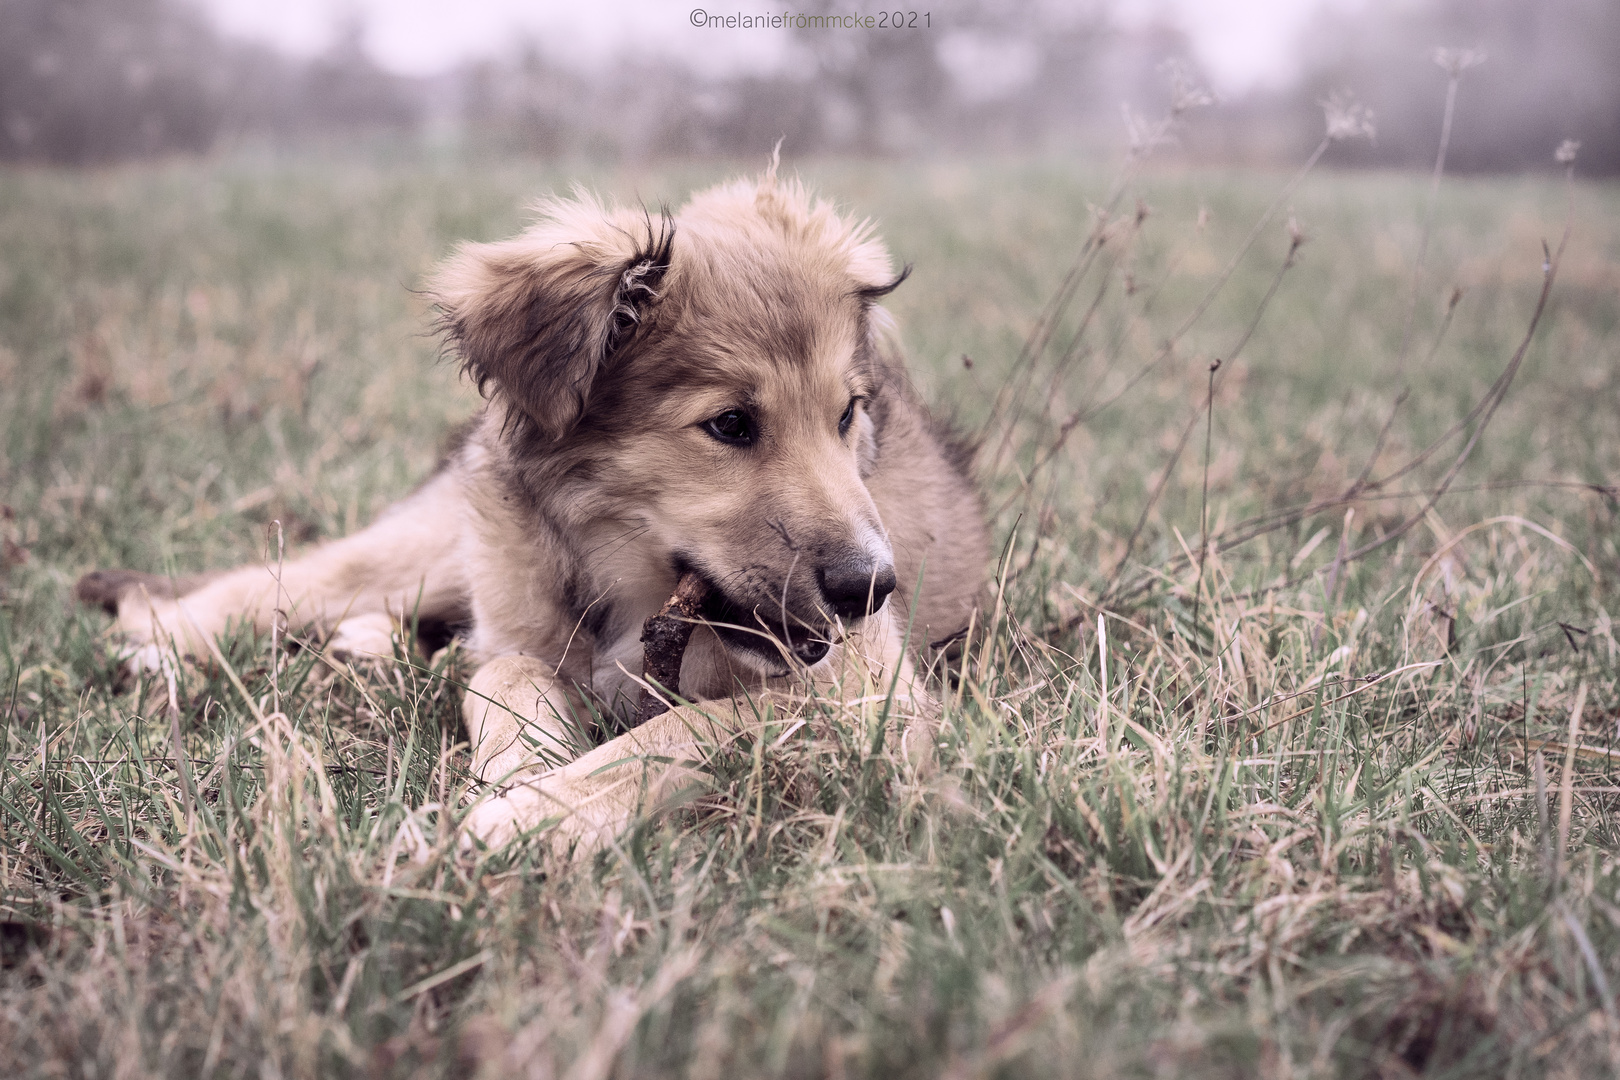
<point x="1224" y="786"/>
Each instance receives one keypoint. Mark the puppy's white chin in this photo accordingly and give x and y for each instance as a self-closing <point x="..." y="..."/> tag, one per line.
<point x="757" y="663"/>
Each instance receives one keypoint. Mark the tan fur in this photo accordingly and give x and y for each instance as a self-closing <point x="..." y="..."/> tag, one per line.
<point x="610" y="345"/>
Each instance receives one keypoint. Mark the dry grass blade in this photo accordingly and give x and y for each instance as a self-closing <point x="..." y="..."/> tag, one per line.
<point x="1566" y="796"/>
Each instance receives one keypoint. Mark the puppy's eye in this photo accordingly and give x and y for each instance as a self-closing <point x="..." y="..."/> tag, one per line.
<point x="849" y="416"/>
<point x="732" y="426"/>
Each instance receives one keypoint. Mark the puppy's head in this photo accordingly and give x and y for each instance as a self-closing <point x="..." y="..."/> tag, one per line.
<point x="707" y="390"/>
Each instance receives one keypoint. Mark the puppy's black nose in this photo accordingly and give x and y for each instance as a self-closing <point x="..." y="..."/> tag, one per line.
<point x="856" y="585"/>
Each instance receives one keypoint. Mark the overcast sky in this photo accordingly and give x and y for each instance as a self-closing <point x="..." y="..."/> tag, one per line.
<point x="1243" y="43"/>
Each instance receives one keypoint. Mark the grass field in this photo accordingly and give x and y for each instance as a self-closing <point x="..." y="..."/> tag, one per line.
<point x="1312" y="806"/>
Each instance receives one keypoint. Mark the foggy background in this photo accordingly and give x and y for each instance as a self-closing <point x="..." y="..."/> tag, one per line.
<point x="86" y="82"/>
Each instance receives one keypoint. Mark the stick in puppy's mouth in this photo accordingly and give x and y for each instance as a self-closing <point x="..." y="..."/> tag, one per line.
<point x="663" y="643"/>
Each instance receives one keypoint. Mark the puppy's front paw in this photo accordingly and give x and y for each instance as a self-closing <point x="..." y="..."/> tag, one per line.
<point x="363" y="637"/>
<point x="154" y="643"/>
<point x="522" y="811"/>
<point x="173" y="626"/>
<point x="148" y="659"/>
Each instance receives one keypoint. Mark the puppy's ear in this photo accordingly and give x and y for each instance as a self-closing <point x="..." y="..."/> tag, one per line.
<point x="542" y="314"/>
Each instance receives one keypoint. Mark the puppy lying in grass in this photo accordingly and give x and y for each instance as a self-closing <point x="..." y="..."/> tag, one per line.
<point x="708" y="399"/>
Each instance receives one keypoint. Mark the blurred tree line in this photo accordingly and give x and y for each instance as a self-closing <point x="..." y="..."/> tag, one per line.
<point x="867" y="92"/>
<point x="88" y="81"/>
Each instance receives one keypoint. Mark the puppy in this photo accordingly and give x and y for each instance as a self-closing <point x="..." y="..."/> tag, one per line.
<point x="713" y="395"/>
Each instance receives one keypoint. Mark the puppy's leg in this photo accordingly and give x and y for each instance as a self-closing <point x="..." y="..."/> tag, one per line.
<point x="874" y="664"/>
<point x="871" y="658"/>
<point x="595" y="797"/>
<point x="515" y="712"/>
<point x="588" y="801"/>
<point x="519" y="719"/>
<point x="405" y="563"/>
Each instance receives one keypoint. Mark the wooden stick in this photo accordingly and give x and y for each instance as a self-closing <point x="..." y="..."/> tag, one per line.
<point x="663" y="643"/>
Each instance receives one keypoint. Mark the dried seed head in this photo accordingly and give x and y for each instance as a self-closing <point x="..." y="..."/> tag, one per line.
<point x="1144" y="137"/>
<point x="1185" y="92"/>
<point x="1567" y="151"/>
<point x="1456" y="61"/>
<point x="1347" y="118"/>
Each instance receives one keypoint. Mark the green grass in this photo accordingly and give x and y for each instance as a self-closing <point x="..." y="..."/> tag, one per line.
<point x="1306" y="832"/>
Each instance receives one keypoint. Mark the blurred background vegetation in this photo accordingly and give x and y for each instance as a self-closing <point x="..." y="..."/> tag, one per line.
<point x="95" y="81"/>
